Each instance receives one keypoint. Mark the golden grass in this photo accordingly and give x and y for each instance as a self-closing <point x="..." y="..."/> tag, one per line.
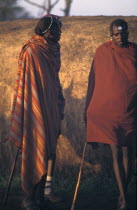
<point x="80" y="38"/>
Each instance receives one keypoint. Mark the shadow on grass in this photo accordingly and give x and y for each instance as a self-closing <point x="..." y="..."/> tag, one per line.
<point x="96" y="192"/>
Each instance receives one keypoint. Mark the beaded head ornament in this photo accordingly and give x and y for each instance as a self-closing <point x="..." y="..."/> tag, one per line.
<point x="45" y="23"/>
<point x="43" y="32"/>
<point x="51" y="16"/>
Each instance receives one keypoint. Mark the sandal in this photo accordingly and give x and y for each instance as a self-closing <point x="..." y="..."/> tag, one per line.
<point x="54" y="198"/>
<point x="28" y="204"/>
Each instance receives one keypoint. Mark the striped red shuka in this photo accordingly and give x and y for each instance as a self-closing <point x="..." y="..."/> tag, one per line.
<point x="37" y="107"/>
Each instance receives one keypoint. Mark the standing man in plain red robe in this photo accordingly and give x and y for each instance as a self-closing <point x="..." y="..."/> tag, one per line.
<point x="111" y="106"/>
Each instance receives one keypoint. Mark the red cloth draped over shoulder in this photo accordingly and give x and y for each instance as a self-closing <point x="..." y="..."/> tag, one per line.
<point x="111" y="106"/>
<point x="37" y="107"/>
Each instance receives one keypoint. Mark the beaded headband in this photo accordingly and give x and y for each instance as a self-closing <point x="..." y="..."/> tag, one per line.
<point x="49" y="25"/>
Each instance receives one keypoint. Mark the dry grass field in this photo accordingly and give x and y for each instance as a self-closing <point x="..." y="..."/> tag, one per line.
<point x="80" y="38"/>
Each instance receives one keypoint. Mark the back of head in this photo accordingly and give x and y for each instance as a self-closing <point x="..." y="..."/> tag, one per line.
<point x="45" y="23"/>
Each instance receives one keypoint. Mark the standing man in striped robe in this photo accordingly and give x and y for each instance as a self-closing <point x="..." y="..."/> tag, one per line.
<point x="38" y="108"/>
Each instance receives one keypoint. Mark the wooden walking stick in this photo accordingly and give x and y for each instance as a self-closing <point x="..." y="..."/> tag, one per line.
<point x="79" y="177"/>
<point x="10" y="179"/>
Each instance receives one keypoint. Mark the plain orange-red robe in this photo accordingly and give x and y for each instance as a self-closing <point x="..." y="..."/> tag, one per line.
<point x="111" y="107"/>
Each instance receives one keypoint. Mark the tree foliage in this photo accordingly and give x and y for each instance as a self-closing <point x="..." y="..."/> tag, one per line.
<point x="9" y="10"/>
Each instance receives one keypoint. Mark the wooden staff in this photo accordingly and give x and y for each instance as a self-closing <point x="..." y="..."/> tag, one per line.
<point x="79" y="177"/>
<point x="10" y="179"/>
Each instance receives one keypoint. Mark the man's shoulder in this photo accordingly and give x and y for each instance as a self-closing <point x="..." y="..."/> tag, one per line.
<point x="26" y="49"/>
<point x="30" y="48"/>
<point x="103" y="47"/>
<point x="106" y="44"/>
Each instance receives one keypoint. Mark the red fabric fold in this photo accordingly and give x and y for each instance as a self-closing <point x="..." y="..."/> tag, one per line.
<point x="112" y="100"/>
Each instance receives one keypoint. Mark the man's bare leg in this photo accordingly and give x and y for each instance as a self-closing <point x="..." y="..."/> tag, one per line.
<point x="127" y="164"/>
<point x="50" y="172"/>
<point x="48" y="192"/>
<point x="119" y="170"/>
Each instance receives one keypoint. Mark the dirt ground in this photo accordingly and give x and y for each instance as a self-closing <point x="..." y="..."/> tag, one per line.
<point x="84" y="201"/>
